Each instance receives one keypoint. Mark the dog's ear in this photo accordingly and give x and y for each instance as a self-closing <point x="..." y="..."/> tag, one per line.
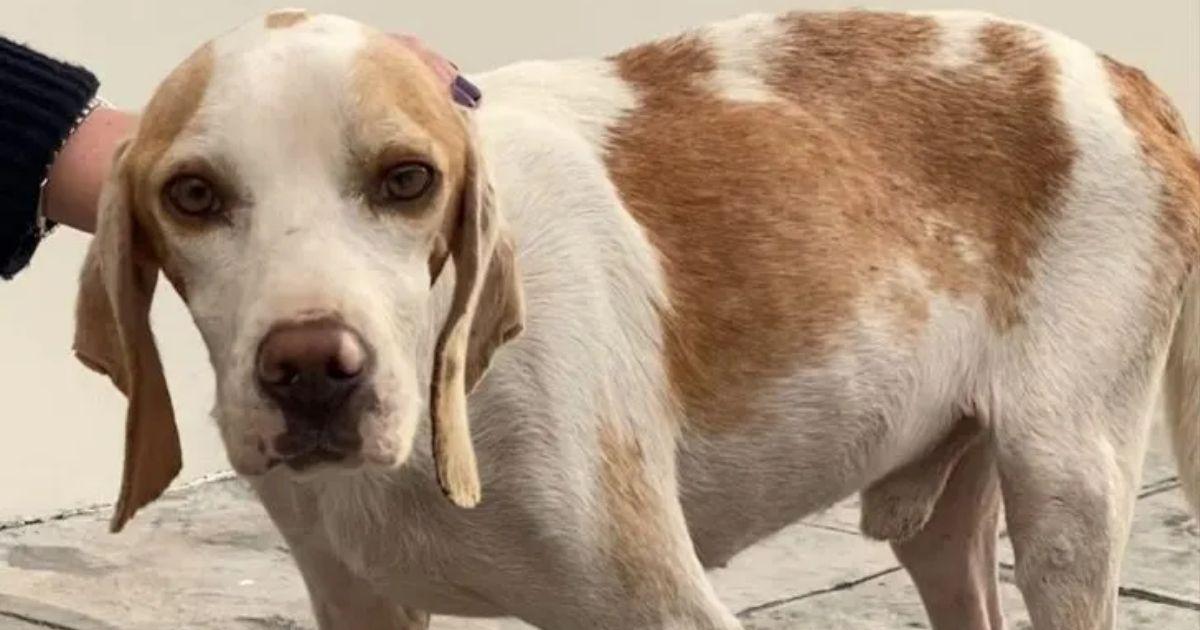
<point x="486" y="310"/>
<point x="112" y="336"/>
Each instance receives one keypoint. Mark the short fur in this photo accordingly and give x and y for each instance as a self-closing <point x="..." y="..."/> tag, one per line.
<point x="722" y="281"/>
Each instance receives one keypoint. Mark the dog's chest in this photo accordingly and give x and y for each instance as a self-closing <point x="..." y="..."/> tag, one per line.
<point x="403" y="547"/>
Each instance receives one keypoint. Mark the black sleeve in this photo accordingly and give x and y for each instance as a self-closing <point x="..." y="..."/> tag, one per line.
<point x="40" y="99"/>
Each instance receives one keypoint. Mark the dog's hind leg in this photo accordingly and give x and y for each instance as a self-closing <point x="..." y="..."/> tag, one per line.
<point x="1069" y="485"/>
<point x="952" y="558"/>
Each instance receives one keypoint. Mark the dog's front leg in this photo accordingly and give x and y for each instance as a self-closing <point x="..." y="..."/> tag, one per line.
<point x="343" y="601"/>
<point x="648" y="553"/>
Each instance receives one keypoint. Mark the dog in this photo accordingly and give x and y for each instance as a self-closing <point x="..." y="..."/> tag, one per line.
<point x="554" y="357"/>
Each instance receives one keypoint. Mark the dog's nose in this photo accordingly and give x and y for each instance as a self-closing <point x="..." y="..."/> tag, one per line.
<point x="311" y="368"/>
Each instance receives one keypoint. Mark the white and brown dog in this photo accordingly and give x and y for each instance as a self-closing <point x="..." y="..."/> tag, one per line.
<point x="722" y="281"/>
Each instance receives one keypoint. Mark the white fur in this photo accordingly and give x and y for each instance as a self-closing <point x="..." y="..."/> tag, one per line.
<point x="583" y="95"/>
<point x="742" y="48"/>
<point x="959" y="32"/>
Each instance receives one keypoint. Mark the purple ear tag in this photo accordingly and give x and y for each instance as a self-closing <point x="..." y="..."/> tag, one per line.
<point x="465" y="93"/>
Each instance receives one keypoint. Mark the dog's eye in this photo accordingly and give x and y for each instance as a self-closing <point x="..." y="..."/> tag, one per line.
<point x="405" y="182"/>
<point x="193" y="195"/>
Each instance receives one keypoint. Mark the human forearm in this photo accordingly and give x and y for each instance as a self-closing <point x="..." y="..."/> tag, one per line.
<point x="73" y="188"/>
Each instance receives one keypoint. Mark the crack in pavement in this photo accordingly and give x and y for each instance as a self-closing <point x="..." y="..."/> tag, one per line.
<point x="1157" y="598"/>
<point x="1166" y="485"/>
<point x="63" y="515"/>
<point x="274" y="622"/>
<point x="1131" y="592"/>
<point x="41" y="623"/>
<point x="840" y="586"/>
<point x="57" y="516"/>
<point x="831" y="528"/>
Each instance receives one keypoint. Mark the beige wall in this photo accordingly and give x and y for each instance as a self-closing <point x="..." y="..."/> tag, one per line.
<point x="61" y="432"/>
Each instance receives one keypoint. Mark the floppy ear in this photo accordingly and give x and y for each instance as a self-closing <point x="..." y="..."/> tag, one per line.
<point x="486" y="310"/>
<point x="112" y="336"/>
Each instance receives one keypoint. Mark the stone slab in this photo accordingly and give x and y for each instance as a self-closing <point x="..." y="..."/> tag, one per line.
<point x="208" y="558"/>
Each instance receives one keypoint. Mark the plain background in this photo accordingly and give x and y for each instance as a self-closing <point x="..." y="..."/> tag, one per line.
<point x="61" y="426"/>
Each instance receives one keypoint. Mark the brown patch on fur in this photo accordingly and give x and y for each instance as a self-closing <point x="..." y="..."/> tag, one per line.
<point x="639" y="543"/>
<point x="1164" y="142"/>
<point x="389" y="77"/>
<point x="171" y="108"/>
<point x="772" y="220"/>
<point x="169" y="111"/>
<point x="285" y="18"/>
<point x="397" y="89"/>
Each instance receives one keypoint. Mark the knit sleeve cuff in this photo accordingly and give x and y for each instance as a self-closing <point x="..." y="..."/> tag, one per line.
<point x="40" y="99"/>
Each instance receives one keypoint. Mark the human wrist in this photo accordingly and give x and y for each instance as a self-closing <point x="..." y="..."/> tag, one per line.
<point x="72" y="189"/>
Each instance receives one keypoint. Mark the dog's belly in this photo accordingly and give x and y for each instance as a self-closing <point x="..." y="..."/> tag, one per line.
<point x="732" y="502"/>
<point x="811" y="440"/>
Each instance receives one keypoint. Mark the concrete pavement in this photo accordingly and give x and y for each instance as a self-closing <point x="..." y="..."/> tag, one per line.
<point x="206" y="557"/>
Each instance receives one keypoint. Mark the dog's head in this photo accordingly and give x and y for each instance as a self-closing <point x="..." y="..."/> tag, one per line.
<point x="302" y="182"/>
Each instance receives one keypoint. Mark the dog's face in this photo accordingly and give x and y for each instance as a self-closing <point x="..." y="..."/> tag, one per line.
<point x="302" y="181"/>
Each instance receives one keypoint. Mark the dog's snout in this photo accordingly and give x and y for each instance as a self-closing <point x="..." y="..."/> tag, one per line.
<point x="311" y="368"/>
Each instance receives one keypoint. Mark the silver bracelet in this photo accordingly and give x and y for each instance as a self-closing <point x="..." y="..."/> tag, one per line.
<point x="43" y="224"/>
